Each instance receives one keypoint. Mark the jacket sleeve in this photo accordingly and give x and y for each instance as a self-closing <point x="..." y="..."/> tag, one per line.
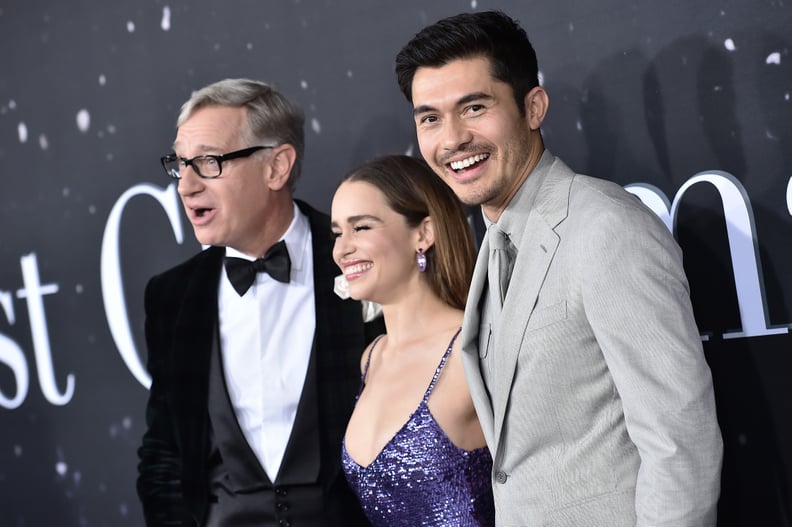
<point x="638" y="303"/>
<point x="159" y="484"/>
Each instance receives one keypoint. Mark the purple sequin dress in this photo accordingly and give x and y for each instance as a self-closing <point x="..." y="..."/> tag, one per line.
<point x="420" y="478"/>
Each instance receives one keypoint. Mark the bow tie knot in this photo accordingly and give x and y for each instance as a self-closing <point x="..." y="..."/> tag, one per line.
<point x="242" y="273"/>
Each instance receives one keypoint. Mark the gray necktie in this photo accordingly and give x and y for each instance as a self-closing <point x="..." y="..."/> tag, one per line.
<point x="501" y="263"/>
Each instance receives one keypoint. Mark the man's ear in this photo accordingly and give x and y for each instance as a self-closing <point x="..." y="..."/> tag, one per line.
<point x="426" y="234"/>
<point x="536" y="104"/>
<point x="281" y="162"/>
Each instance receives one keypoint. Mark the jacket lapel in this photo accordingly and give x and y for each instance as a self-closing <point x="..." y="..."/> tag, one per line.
<point x="338" y="343"/>
<point x="194" y="339"/>
<point x="535" y="254"/>
<point x="471" y="326"/>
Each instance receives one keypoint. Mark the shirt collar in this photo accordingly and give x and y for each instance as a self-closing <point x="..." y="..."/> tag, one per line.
<point x="296" y="238"/>
<point x="513" y="219"/>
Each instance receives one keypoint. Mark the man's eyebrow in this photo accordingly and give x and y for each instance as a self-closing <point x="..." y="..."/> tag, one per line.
<point x="201" y="147"/>
<point x="477" y="96"/>
<point x="424" y="108"/>
<point x="465" y="99"/>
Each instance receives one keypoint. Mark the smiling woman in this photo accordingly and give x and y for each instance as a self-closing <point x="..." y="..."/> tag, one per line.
<point x="402" y="240"/>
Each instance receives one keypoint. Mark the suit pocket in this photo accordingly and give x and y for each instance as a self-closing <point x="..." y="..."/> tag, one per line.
<point x="547" y="315"/>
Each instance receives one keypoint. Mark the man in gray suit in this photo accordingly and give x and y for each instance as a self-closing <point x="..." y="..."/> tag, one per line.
<point x="579" y="342"/>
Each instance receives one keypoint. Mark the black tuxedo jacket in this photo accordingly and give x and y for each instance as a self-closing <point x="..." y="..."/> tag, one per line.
<point x="181" y="335"/>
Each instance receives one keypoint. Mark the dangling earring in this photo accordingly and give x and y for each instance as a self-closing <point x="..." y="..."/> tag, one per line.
<point x="420" y="259"/>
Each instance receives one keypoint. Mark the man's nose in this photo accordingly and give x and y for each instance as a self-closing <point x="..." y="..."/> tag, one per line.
<point x="455" y="134"/>
<point x="190" y="182"/>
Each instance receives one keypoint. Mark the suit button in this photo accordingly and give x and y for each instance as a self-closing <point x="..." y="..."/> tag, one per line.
<point x="501" y="477"/>
<point x="284" y="523"/>
<point x="280" y="491"/>
<point x="282" y="506"/>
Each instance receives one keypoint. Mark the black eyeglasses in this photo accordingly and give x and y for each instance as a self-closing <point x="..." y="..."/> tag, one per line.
<point x="206" y="166"/>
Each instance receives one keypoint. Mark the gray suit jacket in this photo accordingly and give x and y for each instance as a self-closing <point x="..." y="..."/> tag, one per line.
<point x="599" y="410"/>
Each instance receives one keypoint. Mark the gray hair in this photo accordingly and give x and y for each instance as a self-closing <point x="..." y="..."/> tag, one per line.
<point x="270" y="115"/>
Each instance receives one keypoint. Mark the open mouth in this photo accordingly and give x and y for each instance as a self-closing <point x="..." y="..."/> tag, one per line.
<point x="200" y="216"/>
<point x="357" y="269"/>
<point x="461" y="165"/>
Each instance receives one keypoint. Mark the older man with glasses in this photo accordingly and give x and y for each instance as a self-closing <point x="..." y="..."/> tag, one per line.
<point x="254" y="360"/>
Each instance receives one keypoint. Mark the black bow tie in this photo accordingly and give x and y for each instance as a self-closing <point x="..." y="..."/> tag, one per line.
<point x="242" y="273"/>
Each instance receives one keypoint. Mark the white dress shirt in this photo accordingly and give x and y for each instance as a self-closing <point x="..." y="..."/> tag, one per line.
<point x="266" y="338"/>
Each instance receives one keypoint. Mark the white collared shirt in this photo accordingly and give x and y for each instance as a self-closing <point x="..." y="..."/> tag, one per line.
<point x="266" y="338"/>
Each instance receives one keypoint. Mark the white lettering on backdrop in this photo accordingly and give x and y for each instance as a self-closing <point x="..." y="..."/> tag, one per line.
<point x="10" y="352"/>
<point x="743" y="245"/>
<point x="112" y="286"/>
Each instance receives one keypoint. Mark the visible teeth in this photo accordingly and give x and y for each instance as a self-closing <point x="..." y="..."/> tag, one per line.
<point x="359" y="268"/>
<point x="464" y="163"/>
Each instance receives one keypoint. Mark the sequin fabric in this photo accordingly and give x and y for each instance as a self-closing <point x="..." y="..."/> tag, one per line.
<point x="420" y="478"/>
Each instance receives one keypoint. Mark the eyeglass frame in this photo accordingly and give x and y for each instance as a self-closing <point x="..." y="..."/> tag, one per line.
<point x="219" y="158"/>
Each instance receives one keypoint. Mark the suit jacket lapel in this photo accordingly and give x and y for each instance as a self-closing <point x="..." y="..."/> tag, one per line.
<point x="537" y="249"/>
<point x="529" y="273"/>
<point x="338" y="343"/>
<point x="470" y="345"/>
<point x="193" y="342"/>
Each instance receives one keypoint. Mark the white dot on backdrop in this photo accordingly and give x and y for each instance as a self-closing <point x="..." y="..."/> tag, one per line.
<point x="165" y="24"/>
<point x="61" y="468"/>
<point x="123" y="509"/>
<point x="349" y="73"/>
<point x="126" y="422"/>
<point x="83" y="120"/>
<point x="12" y="104"/>
<point x="304" y="85"/>
<point x="66" y="191"/>
<point x="773" y="58"/>
<point x="315" y="126"/>
<point x="22" y="132"/>
<point x="131" y="26"/>
<point x="79" y="289"/>
<point x="111" y="128"/>
<point x="43" y="142"/>
<point x="17" y="450"/>
<point x="92" y="209"/>
<point x="729" y="44"/>
<point x="473" y="4"/>
<point x="102" y="80"/>
<point x="249" y="45"/>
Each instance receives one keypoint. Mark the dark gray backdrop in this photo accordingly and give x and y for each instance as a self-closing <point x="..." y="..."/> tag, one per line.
<point x="641" y="92"/>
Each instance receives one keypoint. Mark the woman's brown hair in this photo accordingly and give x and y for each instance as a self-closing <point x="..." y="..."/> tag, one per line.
<point x="413" y="190"/>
